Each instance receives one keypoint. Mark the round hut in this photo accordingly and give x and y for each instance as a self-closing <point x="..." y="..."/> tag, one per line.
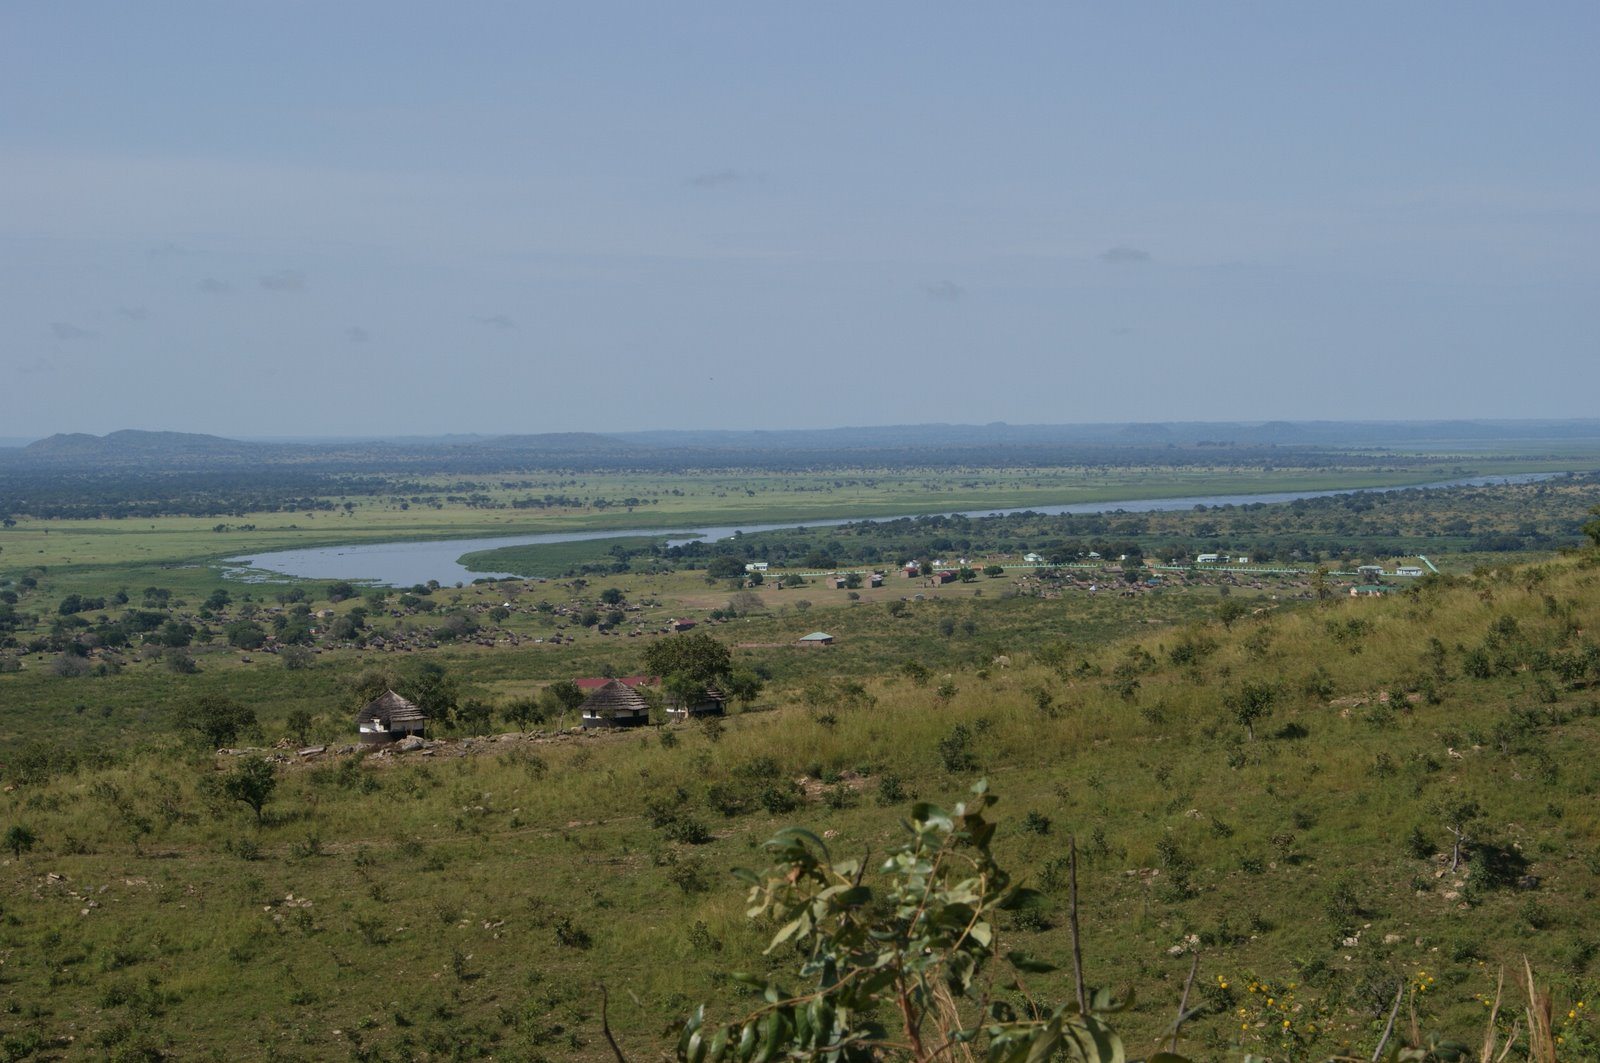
<point x="389" y="718"/>
<point x="615" y="705"/>
<point x="708" y="702"/>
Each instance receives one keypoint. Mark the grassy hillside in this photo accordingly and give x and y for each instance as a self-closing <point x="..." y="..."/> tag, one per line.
<point x="466" y="902"/>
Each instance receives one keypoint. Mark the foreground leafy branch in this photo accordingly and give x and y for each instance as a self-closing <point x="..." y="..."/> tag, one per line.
<point x="903" y="970"/>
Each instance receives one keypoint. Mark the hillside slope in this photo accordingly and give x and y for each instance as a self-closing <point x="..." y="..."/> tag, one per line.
<point x="1278" y="794"/>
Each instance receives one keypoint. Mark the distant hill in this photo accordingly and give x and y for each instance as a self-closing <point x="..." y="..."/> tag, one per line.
<point x="929" y="444"/>
<point x="557" y="442"/>
<point x="133" y="442"/>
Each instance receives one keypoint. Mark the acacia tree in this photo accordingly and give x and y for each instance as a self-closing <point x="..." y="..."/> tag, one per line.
<point x="1250" y="703"/>
<point x="252" y="783"/>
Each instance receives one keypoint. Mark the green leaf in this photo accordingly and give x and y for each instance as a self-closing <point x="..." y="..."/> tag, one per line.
<point x="788" y="835"/>
<point x="1045" y="1043"/>
<point x="788" y="931"/>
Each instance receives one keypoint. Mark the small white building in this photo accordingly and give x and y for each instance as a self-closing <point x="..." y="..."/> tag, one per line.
<point x="1032" y="559"/>
<point x="756" y="566"/>
<point x="1207" y="559"/>
<point x="1408" y="570"/>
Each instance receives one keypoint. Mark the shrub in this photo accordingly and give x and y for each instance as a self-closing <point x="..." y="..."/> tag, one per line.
<point x="869" y="960"/>
<point x="955" y="752"/>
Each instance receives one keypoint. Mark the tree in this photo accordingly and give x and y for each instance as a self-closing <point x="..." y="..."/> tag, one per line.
<point x="566" y="694"/>
<point x="245" y="635"/>
<point x="175" y="634"/>
<point x="744" y="603"/>
<point x="523" y="712"/>
<point x="696" y="655"/>
<point x="299" y="725"/>
<point x="725" y="566"/>
<point x="476" y="716"/>
<point x="1228" y="611"/>
<point x="20" y="839"/>
<point x="1458" y="813"/>
<point x="338" y="592"/>
<point x="611" y="596"/>
<point x="965" y="574"/>
<point x="217" y="720"/>
<point x="993" y="571"/>
<point x="1250" y="703"/>
<point x="897" y="969"/>
<point x="1592" y="528"/>
<point x="251" y="782"/>
<point x="296" y="658"/>
<point x="743" y="686"/>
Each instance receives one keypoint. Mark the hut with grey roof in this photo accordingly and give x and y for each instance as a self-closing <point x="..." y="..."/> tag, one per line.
<point x="615" y="705"/>
<point x="389" y="718"/>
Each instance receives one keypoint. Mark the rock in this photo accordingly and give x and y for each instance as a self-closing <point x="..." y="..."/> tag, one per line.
<point x="311" y="751"/>
<point x="410" y="743"/>
<point x="1528" y="882"/>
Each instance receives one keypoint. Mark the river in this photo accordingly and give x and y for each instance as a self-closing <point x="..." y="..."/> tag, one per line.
<point x="405" y="564"/>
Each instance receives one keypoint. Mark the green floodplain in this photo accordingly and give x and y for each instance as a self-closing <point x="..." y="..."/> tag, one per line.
<point x="1326" y="798"/>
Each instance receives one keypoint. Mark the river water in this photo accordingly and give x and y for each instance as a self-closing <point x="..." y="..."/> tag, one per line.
<point x="405" y="564"/>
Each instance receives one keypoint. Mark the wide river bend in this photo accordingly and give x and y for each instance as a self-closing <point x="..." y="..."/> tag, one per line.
<point x="405" y="564"/>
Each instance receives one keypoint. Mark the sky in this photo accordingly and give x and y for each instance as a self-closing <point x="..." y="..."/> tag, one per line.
<point x="342" y="217"/>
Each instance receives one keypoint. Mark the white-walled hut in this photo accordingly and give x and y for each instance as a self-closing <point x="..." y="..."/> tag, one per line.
<point x="708" y="702"/>
<point x="390" y="718"/>
<point x="615" y="705"/>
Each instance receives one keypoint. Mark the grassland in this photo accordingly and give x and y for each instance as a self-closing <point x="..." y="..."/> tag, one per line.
<point x="431" y="907"/>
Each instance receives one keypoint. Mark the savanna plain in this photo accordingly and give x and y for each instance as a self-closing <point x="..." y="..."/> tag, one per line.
<point x="1299" y="772"/>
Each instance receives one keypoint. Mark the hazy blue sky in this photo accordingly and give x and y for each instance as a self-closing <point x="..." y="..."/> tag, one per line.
<point x="331" y="217"/>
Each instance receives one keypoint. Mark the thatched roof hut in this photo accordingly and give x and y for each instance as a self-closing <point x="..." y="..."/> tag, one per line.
<point x="711" y="701"/>
<point x="390" y="717"/>
<point x="615" y="705"/>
